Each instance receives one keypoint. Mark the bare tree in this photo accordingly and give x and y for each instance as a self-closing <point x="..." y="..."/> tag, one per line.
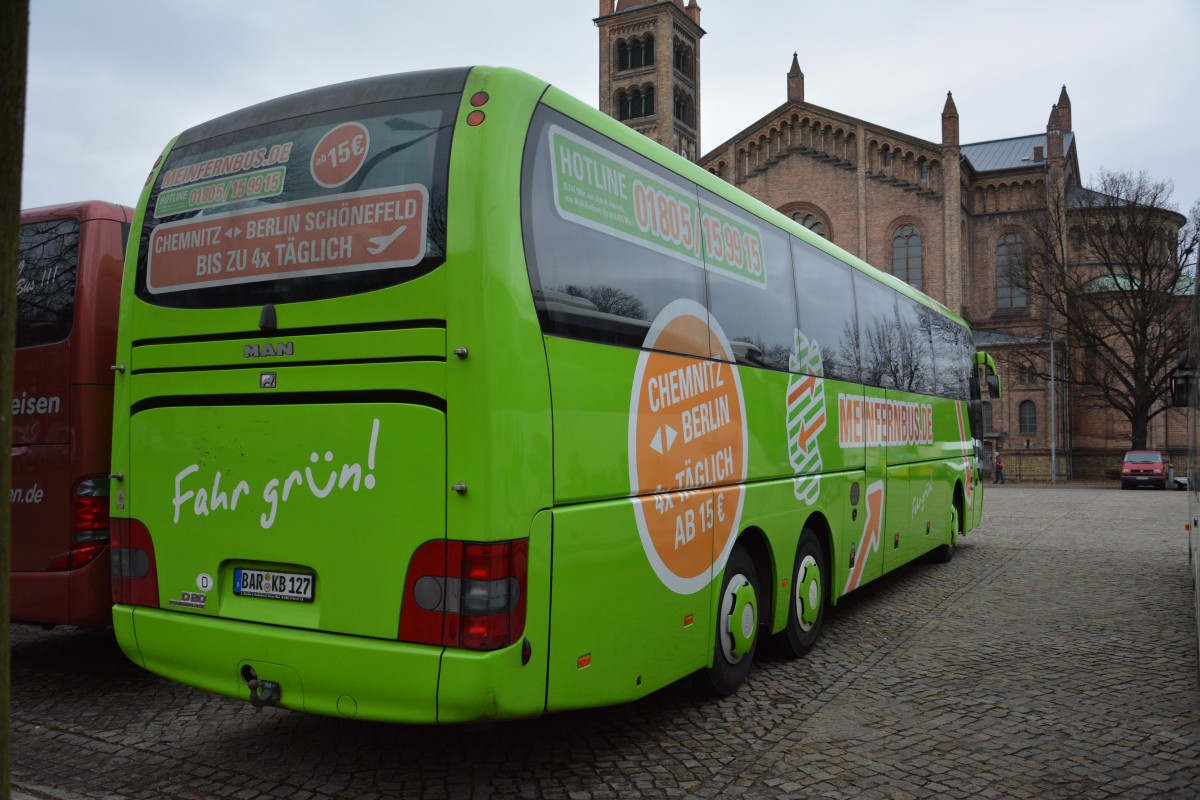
<point x="609" y="300"/>
<point x="14" y="37"/>
<point x="1114" y="267"/>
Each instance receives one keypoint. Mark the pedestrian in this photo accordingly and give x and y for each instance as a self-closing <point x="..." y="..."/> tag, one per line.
<point x="998" y="475"/>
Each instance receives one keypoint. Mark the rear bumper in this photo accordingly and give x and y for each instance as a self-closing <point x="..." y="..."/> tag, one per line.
<point x="325" y="673"/>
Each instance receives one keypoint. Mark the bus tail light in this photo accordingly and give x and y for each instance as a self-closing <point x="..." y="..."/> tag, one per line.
<point x="134" y="573"/>
<point x="89" y="525"/>
<point x="466" y="594"/>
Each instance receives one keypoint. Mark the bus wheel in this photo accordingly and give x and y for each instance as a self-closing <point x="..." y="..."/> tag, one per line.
<point x="944" y="552"/>
<point x="807" y="612"/>
<point x="737" y="627"/>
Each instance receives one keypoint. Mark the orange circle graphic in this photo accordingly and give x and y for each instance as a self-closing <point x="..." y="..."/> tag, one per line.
<point x="687" y="437"/>
<point x="339" y="155"/>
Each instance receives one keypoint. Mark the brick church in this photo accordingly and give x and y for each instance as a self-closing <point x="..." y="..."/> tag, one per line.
<point x="948" y="217"/>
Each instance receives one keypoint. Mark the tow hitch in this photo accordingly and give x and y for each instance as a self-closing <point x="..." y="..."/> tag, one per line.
<point x="262" y="693"/>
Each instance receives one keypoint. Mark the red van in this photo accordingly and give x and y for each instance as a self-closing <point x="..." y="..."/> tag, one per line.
<point x="1144" y="468"/>
<point x="68" y="289"/>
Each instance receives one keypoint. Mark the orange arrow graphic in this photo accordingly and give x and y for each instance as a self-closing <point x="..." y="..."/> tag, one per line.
<point x="805" y="385"/>
<point x="870" y="537"/>
<point x="807" y="432"/>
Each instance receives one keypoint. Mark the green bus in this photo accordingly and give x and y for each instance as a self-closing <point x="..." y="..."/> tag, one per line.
<point x="443" y="396"/>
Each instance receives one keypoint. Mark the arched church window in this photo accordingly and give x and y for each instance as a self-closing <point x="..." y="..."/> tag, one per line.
<point x="1027" y="412"/>
<point x="1010" y="272"/>
<point x="907" y="258"/>
<point x="647" y="108"/>
<point x="683" y="107"/>
<point x="683" y="58"/>
<point x="812" y="222"/>
<point x="635" y="53"/>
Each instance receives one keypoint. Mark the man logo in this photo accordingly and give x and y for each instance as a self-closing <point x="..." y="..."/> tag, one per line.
<point x="267" y="350"/>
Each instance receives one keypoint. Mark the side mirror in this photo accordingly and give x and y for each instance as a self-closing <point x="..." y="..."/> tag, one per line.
<point x="989" y="369"/>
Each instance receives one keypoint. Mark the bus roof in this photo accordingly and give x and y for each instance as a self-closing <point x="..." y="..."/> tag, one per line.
<point x="83" y="209"/>
<point x="327" y="98"/>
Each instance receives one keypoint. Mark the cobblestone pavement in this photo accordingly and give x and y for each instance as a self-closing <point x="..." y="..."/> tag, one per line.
<point x="1051" y="659"/>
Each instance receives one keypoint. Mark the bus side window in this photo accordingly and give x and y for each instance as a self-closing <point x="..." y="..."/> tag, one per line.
<point x="877" y="322"/>
<point x="49" y="260"/>
<point x="913" y="346"/>
<point x="756" y="304"/>
<point x="825" y="296"/>
<point x="951" y="365"/>
<point x="593" y="281"/>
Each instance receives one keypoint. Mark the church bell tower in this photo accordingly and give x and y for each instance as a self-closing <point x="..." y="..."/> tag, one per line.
<point x="650" y="69"/>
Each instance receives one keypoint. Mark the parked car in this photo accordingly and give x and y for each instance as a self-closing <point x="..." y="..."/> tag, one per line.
<point x="1144" y="468"/>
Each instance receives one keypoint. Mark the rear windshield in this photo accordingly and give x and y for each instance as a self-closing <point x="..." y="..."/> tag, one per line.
<point x="1143" y="458"/>
<point x="310" y="207"/>
<point x="47" y="263"/>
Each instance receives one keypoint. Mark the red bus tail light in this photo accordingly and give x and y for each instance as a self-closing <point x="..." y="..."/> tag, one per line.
<point x="466" y="594"/>
<point x="89" y="525"/>
<point x="134" y="572"/>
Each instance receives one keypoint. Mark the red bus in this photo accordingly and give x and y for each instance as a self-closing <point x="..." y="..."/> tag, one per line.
<point x="68" y="290"/>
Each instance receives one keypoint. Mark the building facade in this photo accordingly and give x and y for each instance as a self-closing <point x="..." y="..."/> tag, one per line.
<point x="952" y="219"/>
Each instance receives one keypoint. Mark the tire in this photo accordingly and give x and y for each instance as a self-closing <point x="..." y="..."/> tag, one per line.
<point x="944" y="553"/>
<point x="809" y="598"/>
<point x="736" y="637"/>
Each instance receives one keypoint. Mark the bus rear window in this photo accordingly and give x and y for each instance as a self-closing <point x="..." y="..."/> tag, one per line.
<point x="46" y="269"/>
<point x="302" y="208"/>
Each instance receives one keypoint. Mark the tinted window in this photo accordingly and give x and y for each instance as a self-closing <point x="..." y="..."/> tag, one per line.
<point x="895" y="331"/>
<point x="914" y="347"/>
<point x="48" y="259"/>
<point x="611" y="238"/>
<point x="825" y="296"/>
<point x="876" y="316"/>
<point x="751" y="296"/>
<point x="953" y="353"/>
<point x="951" y="359"/>
<point x="308" y="207"/>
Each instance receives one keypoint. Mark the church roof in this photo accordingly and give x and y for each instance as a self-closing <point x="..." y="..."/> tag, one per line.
<point x="1016" y="153"/>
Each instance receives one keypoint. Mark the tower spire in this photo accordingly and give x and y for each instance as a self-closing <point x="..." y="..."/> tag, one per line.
<point x="1064" y="110"/>
<point x="949" y="122"/>
<point x="795" y="81"/>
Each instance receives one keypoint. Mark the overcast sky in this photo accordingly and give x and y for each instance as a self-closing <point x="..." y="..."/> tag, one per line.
<point x="111" y="81"/>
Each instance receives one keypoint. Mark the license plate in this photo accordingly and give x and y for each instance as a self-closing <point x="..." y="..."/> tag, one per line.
<point x="275" y="585"/>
